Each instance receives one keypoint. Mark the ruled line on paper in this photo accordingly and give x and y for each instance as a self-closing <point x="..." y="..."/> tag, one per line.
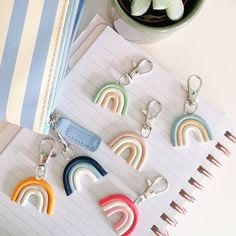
<point x="98" y="67"/>
<point x="80" y="213"/>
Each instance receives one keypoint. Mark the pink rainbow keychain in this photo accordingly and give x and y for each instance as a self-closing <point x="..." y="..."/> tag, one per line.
<point x="135" y="142"/>
<point x="121" y="204"/>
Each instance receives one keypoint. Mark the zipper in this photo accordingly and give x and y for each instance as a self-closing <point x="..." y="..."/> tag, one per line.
<point x="75" y="7"/>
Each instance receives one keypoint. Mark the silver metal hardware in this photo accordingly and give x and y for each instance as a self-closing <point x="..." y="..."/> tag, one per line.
<point x="143" y="66"/>
<point x="191" y="104"/>
<point x="151" y="112"/>
<point x="159" y="185"/>
<point x="47" y="151"/>
<point x="66" y="148"/>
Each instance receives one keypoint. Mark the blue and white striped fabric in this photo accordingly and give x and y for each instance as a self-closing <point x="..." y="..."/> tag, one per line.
<point x="35" y="37"/>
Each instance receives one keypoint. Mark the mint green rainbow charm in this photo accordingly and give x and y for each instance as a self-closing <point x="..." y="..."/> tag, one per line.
<point x="116" y="94"/>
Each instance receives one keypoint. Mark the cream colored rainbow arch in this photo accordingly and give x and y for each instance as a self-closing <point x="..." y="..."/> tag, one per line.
<point x="184" y="123"/>
<point x="39" y="188"/>
<point x="115" y="93"/>
<point x="135" y="144"/>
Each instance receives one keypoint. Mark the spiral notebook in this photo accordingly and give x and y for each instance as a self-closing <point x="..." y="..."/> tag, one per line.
<point x="185" y="168"/>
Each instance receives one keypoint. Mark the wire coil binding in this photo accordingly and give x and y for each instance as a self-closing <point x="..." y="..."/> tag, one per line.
<point x="196" y="184"/>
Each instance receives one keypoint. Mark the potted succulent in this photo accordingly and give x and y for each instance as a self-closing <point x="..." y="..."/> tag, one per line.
<point x="155" y="19"/>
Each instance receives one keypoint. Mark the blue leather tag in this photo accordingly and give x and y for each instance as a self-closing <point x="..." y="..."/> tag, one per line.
<point x="78" y="135"/>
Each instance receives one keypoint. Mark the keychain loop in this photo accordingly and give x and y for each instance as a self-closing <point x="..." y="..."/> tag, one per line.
<point x="47" y="151"/>
<point x="66" y="149"/>
<point x="191" y="103"/>
<point x="144" y="66"/>
<point x="151" y="191"/>
<point x="153" y="109"/>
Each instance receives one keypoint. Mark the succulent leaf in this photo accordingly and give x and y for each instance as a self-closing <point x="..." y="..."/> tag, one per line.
<point x="161" y="4"/>
<point x="176" y="10"/>
<point x="139" y="7"/>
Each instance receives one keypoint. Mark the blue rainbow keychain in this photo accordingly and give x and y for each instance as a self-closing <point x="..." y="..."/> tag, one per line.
<point x="77" y="166"/>
<point x="190" y="121"/>
<point x="80" y="166"/>
<point x="116" y="94"/>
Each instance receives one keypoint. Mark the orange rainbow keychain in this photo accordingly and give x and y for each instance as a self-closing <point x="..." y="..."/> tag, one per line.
<point x="37" y="186"/>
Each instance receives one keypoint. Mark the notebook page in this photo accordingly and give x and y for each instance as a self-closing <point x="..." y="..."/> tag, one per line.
<point x="80" y="214"/>
<point x="108" y="58"/>
<point x="75" y="215"/>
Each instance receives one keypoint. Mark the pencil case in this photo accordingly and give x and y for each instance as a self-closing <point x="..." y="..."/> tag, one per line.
<point x="35" y="41"/>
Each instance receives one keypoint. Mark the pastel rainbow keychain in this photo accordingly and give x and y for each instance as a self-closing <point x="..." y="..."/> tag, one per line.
<point x="190" y="121"/>
<point x="37" y="186"/>
<point x="127" y="209"/>
<point x="116" y="94"/>
<point x="135" y="143"/>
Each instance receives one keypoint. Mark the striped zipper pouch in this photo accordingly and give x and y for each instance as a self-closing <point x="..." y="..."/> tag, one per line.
<point x="35" y="39"/>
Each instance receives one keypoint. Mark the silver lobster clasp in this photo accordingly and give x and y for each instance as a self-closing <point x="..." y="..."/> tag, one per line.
<point x="66" y="148"/>
<point x="144" y="66"/>
<point x="159" y="185"/>
<point x="151" y="112"/>
<point x="47" y="151"/>
<point x="194" y="85"/>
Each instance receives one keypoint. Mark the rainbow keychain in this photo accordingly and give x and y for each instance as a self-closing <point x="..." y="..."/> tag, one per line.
<point x="135" y="142"/>
<point x="124" y="206"/>
<point x="116" y="94"/>
<point x="81" y="165"/>
<point x="190" y="121"/>
<point x="37" y="186"/>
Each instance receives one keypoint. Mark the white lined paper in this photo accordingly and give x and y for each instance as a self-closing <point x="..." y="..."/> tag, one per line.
<point x="108" y="58"/>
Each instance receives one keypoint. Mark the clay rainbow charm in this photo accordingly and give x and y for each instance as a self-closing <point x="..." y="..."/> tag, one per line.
<point x="136" y="146"/>
<point x="119" y="203"/>
<point x="39" y="188"/>
<point x="115" y="93"/>
<point x="81" y="166"/>
<point x="186" y="122"/>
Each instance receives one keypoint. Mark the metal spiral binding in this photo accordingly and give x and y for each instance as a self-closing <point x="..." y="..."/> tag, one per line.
<point x="205" y="172"/>
<point x="223" y="149"/>
<point x="167" y="219"/>
<point x="187" y="196"/>
<point x="157" y="231"/>
<point x="230" y="136"/>
<point x="178" y="208"/>
<point x="213" y="160"/>
<point x="193" y="182"/>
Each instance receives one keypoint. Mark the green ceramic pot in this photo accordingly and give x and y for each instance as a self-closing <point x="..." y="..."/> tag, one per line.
<point x="140" y="30"/>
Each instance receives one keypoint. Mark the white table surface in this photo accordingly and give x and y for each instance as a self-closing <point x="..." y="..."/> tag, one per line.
<point x="207" y="47"/>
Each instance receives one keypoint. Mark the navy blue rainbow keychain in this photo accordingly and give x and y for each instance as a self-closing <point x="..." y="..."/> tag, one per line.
<point x="66" y="132"/>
